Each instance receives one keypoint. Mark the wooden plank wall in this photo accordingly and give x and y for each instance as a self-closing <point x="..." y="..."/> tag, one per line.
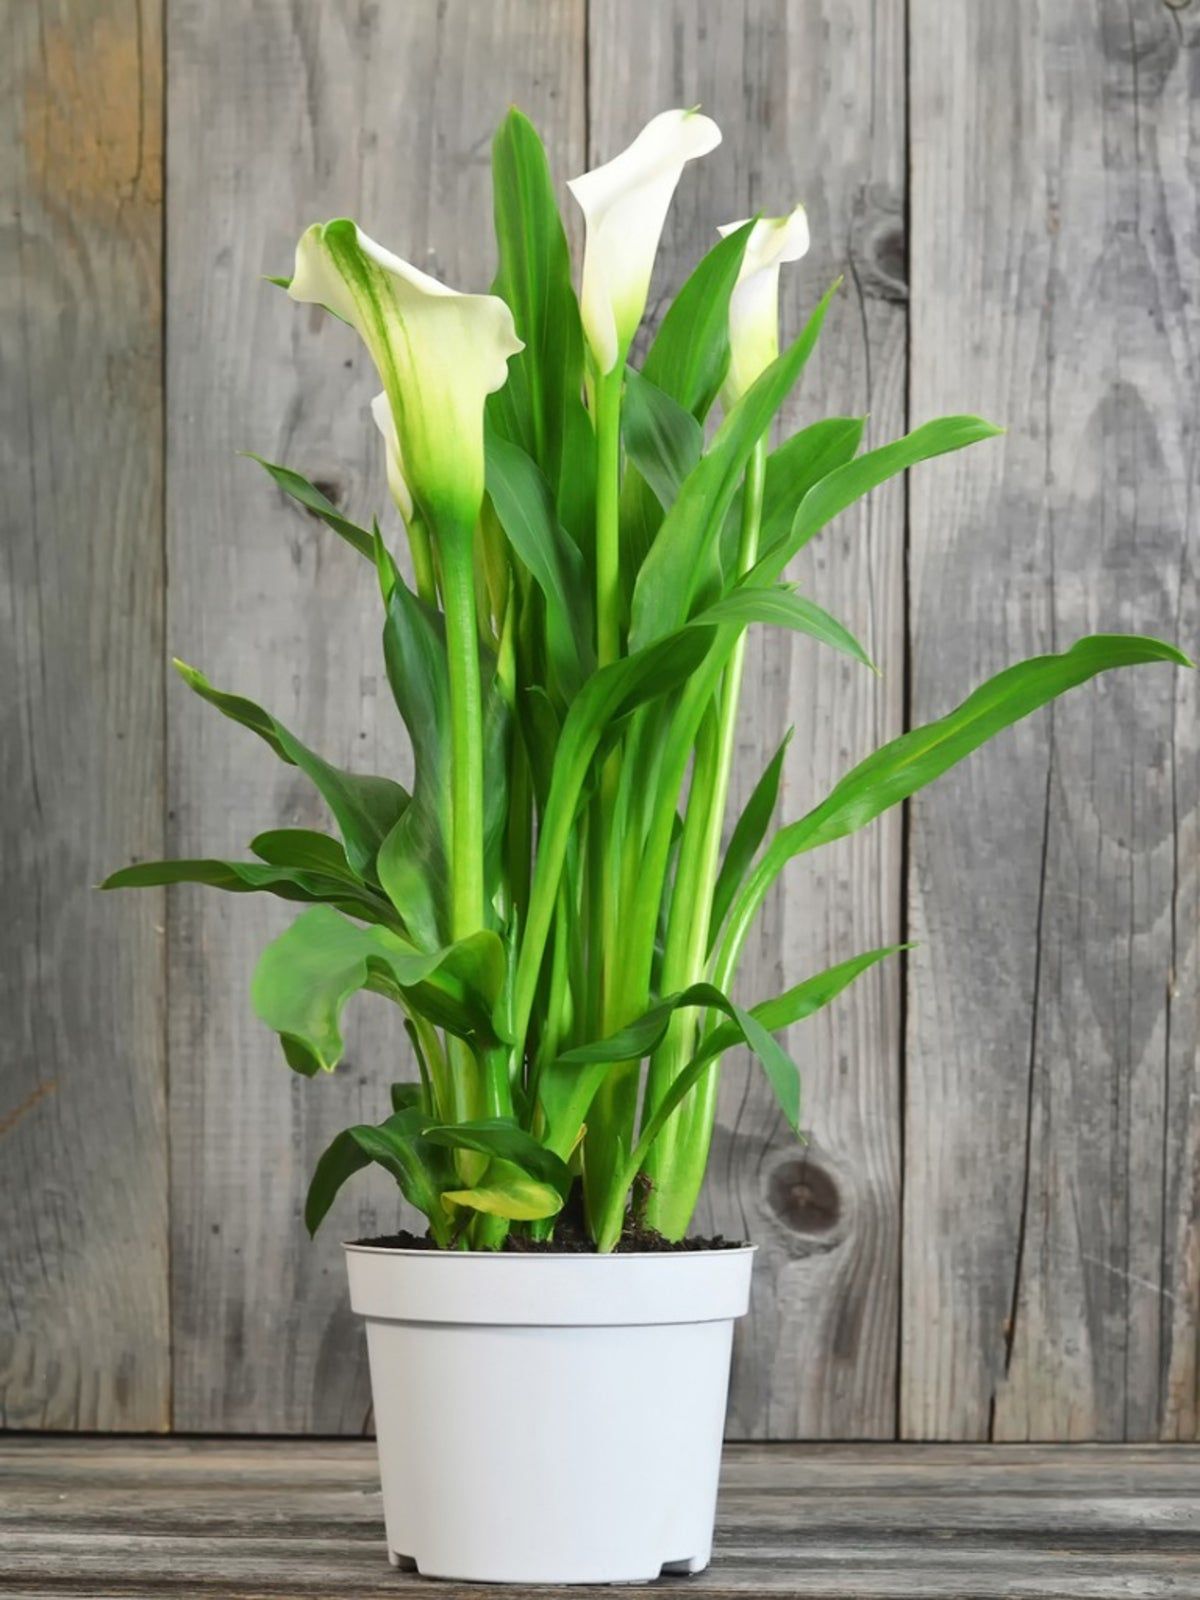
<point x="84" y="1331"/>
<point x="993" y="1231"/>
<point x="1050" y="1265"/>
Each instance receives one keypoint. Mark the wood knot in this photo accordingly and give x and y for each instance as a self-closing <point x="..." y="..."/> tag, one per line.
<point x="331" y="489"/>
<point x="804" y="1196"/>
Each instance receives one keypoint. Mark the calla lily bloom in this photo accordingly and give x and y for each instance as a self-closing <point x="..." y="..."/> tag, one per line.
<point x="381" y="412"/>
<point x="754" y="304"/>
<point x="438" y="352"/>
<point x="625" y="204"/>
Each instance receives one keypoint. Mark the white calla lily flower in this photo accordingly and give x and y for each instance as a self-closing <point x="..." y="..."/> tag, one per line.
<point x="754" y="304"/>
<point x="381" y="412"/>
<point x="439" y="354"/>
<point x="624" y="205"/>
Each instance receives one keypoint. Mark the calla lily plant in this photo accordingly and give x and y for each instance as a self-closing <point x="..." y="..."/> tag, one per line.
<point x="558" y="905"/>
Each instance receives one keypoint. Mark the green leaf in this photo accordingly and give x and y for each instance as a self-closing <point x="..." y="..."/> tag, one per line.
<point x="338" y="1163"/>
<point x="662" y="440"/>
<point x="540" y="406"/>
<point x="643" y="1035"/>
<point x="250" y="877"/>
<point x="413" y="859"/>
<point x="748" y="833"/>
<point x="846" y="484"/>
<point x="394" y="1144"/>
<point x="506" y="1191"/>
<point x="684" y="550"/>
<point x="501" y="1138"/>
<point x="689" y="357"/>
<point x="760" y="1021"/>
<point x="524" y="504"/>
<point x="608" y="695"/>
<point x="365" y="808"/>
<point x="302" y="848"/>
<point x="781" y="607"/>
<point x="908" y="763"/>
<point x="794" y="1005"/>
<point x="305" y="977"/>
<point x="792" y="470"/>
<point x="686" y="364"/>
<point x="311" y="498"/>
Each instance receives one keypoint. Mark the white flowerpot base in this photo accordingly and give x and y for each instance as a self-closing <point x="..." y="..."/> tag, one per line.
<point x="549" y="1418"/>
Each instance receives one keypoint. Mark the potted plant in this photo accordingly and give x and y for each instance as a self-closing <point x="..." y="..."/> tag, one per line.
<point x="558" y="906"/>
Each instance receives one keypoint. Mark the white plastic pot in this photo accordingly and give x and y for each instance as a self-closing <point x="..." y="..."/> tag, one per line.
<point x="549" y="1418"/>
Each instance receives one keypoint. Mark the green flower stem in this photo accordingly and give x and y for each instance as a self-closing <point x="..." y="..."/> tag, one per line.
<point x="606" y="392"/>
<point x="677" y="1160"/>
<point x="613" y="1110"/>
<point x="466" y="737"/>
<point x="421" y="550"/>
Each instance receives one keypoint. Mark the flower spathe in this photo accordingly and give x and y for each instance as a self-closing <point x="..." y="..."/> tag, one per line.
<point x="439" y="354"/>
<point x="754" y="304"/>
<point x="381" y="413"/>
<point x="624" y="204"/>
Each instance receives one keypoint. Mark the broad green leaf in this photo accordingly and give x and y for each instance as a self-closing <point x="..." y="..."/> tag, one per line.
<point x="781" y="607"/>
<point x="846" y="484"/>
<point x="365" y="808"/>
<point x="410" y="1097"/>
<point x="684" y="549"/>
<point x="502" y="1139"/>
<point x="792" y="470"/>
<point x="749" y="832"/>
<point x="662" y="440"/>
<point x="689" y="357"/>
<point x="506" y="1191"/>
<point x="338" y="1163"/>
<point x="251" y="877"/>
<point x="311" y="498"/>
<point x="394" y="1144"/>
<point x="540" y="407"/>
<point x="305" y="977"/>
<point x="302" y="848"/>
<point x="524" y="504"/>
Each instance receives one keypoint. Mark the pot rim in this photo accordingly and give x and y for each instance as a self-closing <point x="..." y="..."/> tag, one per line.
<point x="568" y="1288"/>
<point x="721" y="1252"/>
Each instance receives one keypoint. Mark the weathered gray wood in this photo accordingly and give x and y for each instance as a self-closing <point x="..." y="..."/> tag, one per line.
<point x="83" y="1246"/>
<point x="828" y="1522"/>
<point x="1050" y="1266"/>
<point x="810" y="99"/>
<point x="280" y="115"/>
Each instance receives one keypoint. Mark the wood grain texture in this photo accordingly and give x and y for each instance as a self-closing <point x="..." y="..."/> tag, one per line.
<point x="1050" y="1265"/>
<point x="827" y="1522"/>
<point x="282" y="114"/>
<point x="810" y="100"/>
<point x="83" y="1171"/>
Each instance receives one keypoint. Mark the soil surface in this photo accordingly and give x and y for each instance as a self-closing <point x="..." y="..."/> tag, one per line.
<point x="567" y="1240"/>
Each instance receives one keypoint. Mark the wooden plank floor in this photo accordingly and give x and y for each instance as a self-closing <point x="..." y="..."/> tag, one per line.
<point x="235" y="1520"/>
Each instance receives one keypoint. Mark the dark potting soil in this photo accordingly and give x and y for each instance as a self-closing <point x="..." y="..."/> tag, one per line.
<point x="567" y="1240"/>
